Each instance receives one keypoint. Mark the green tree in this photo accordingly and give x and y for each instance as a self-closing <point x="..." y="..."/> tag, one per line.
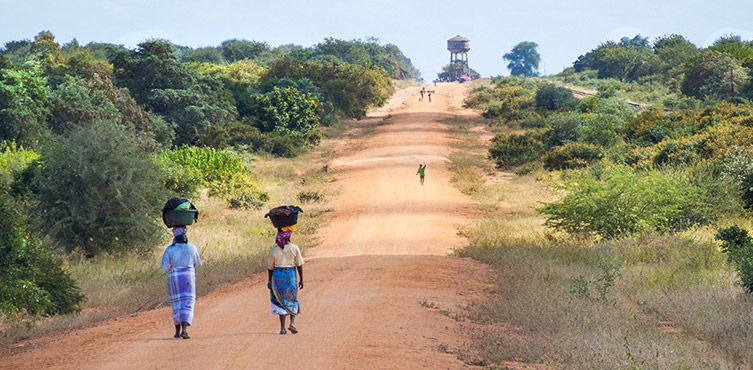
<point x="99" y="192"/>
<point x="674" y="50"/>
<point x="735" y="47"/>
<point x="235" y="50"/>
<point x="24" y="106"/>
<point x="33" y="280"/>
<point x="290" y="113"/>
<point x="714" y="75"/>
<point x="208" y="54"/>
<point x="155" y="78"/>
<point x="352" y="89"/>
<point x="523" y="59"/>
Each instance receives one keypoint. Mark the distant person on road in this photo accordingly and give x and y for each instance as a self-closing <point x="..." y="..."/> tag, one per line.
<point x="429" y="92"/>
<point x="423" y="90"/>
<point x="283" y="262"/>
<point x="421" y="172"/>
<point x="181" y="259"/>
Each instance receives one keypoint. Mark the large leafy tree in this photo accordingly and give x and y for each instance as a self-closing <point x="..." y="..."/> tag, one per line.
<point x="352" y="89"/>
<point x="24" y="106"/>
<point x="674" y="50"/>
<point x="155" y="78"/>
<point x="714" y="75"/>
<point x="523" y="59"/>
<point x="235" y="50"/>
<point x="79" y="101"/>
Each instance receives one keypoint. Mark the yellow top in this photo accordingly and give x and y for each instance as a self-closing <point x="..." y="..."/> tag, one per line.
<point x="289" y="257"/>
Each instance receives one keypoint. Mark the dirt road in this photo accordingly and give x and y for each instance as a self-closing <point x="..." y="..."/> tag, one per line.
<point x="370" y="285"/>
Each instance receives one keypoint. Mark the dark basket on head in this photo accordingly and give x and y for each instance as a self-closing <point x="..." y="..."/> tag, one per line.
<point x="180" y="218"/>
<point x="284" y="216"/>
<point x="173" y="217"/>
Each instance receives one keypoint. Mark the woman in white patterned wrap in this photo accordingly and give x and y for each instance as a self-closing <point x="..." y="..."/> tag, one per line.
<point x="181" y="259"/>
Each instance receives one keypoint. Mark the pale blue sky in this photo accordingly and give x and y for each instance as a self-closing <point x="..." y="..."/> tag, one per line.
<point x="563" y="29"/>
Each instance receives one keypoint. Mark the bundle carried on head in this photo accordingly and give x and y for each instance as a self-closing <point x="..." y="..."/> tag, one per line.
<point x="179" y="212"/>
<point x="284" y="217"/>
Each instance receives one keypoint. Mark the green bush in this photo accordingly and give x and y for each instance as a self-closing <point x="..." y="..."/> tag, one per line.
<point x="289" y="112"/>
<point x="624" y="202"/>
<point x="738" y="246"/>
<point x="180" y="179"/>
<point x="240" y="191"/>
<point x="98" y="192"/>
<point x="310" y="196"/>
<point x="563" y="128"/>
<point x="572" y="155"/>
<point x="552" y="98"/>
<point x="14" y="159"/>
<point x="248" y="200"/>
<point x="33" y="281"/>
<point x="600" y="130"/>
<point x="284" y="145"/>
<point x="533" y="121"/>
<point x="514" y="150"/>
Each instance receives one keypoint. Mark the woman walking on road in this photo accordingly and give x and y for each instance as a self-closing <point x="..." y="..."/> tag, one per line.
<point x="181" y="259"/>
<point x="283" y="262"/>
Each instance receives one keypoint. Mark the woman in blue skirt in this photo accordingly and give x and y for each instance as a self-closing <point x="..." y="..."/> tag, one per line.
<point x="285" y="267"/>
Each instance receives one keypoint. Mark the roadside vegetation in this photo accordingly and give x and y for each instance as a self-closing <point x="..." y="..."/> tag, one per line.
<point x="95" y="138"/>
<point x="619" y="234"/>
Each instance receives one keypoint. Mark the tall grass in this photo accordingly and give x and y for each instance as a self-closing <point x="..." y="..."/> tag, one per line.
<point x="672" y="302"/>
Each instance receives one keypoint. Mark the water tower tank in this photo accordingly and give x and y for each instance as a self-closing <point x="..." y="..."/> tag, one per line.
<point x="458" y="44"/>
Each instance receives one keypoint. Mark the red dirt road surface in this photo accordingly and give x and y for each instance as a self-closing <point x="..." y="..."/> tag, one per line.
<point x="370" y="284"/>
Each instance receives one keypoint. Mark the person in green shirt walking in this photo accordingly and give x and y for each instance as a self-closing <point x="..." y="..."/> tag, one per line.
<point x="421" y="172"/>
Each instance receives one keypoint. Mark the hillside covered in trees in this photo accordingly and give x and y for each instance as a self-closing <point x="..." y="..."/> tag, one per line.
<point x="87" y="129"/>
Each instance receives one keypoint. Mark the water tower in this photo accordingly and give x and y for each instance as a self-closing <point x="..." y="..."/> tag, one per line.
<point x="459" y="47"/>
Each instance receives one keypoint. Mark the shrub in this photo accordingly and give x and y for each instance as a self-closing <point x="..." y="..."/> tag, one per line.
<point x="14" y="159"/>
<point x="248" y="200"/>
<point x="289" y="112"/>
<point x="478" y="98"/>
<point x="284" y="145"/>
<point x="738" y="246"/>
<point x="310" y="196"/>
<point x="623" y="202"/>
<point x="240" y="191"/>
<point x="533" y="121"/>
<point x="600" y="130"/>
<point x="563" y="128"/>
<point x="552" y="98"/>
<point x="510" y="103"/>
<point x="180" y="179"/>
<point x="33" y="281"/>
<point x="99" y="192"/>
<point x="514" y="150"/>
<point x="572" y="155"/>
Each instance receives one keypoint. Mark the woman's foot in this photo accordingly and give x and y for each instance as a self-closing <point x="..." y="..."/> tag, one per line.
<point x="177" y="331"/>
<point x="282" y="331"/>
<point x="293" y="329"/>
<point x="184" y="335"/>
